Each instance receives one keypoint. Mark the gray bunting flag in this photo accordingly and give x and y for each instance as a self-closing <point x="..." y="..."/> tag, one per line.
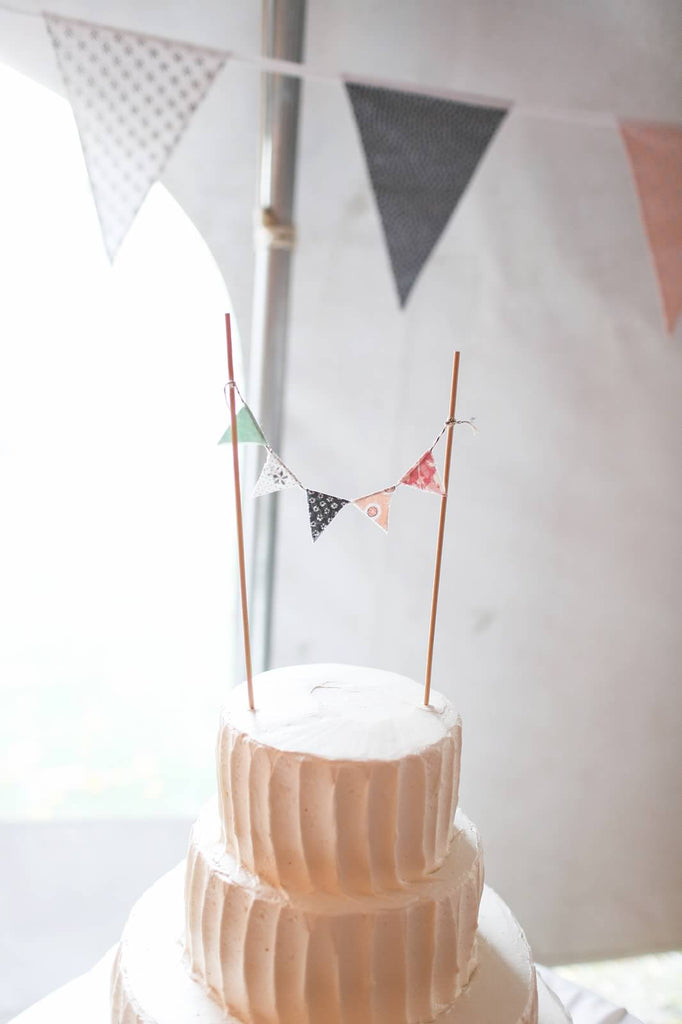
<point x="421" y="153"/>
<point x="322" y="508"/>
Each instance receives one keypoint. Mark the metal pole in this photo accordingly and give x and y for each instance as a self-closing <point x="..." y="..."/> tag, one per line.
<point x="283" y="37"/>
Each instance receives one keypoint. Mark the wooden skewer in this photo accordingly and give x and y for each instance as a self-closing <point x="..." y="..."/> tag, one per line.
<point x="238" y="513"/>
<point x="441" y="529"/>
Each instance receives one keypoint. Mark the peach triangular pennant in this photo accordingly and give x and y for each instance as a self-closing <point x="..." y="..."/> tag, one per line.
<point x="376" y="506"/>
<point x="655" y="153"/>
<point x="424" y="475"/>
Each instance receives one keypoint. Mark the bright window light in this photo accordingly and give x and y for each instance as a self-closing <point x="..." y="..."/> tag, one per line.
<point x="116" y="519"/>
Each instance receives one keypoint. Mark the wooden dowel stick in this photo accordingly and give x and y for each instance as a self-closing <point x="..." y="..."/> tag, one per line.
<point x="441" y="530"/>
<point x="238" y="513"/>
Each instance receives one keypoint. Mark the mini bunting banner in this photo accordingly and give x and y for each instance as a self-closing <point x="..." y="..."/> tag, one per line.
<point x="421" y="153"/>
<point x="274" y="476"/>
<point x="322" y="508"/>
<point x="248" y="430"/>
<point x="376" y="506"/>
<point x="424" y="475"/>
<point x="655" y="154"/>
<point x="132" y="96"/>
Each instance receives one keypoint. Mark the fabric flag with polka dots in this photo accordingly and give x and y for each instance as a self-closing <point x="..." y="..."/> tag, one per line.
<point x="376" y="506"/>
<point x="248" y="431"/>
<point x="274" y="476"/>
<point x="132" y="97"/>
<point x="424" y="475"/>
<point x="421" y="153"/>
<point x="322" y="508"/>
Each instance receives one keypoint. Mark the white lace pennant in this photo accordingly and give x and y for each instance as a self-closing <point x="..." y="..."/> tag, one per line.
<point x="274" y="476"/>
<point x="132" y="96"/>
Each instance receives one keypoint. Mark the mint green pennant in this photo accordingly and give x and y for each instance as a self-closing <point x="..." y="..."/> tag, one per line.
<point x="248" y="431"/>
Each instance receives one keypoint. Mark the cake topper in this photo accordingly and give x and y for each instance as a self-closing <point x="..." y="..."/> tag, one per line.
<point x="275" y="476"/>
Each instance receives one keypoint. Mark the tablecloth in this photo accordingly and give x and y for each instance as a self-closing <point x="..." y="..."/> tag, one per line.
<point x="85" y="1000"/>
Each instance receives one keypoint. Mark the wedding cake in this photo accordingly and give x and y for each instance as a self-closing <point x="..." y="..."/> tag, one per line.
<point x="334" y="881"/>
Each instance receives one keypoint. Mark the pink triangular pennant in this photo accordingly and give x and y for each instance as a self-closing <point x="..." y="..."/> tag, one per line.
<point x="376" y="506"/>
<point x="655" y="153"/>
<point x="424" y="475"/>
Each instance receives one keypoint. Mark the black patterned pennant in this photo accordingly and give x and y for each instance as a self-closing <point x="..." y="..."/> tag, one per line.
<point x="322" y="508"/>
<point x="421" y="153"/>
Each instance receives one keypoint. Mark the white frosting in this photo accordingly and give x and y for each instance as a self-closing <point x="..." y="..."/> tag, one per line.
<point x="150" y="984"/>
<point x="402" y="956"/>
<point x="340" y="713"/>
<point x="340" y="780"/>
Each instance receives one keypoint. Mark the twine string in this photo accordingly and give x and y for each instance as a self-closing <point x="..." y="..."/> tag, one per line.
<point x="392" y="487"/>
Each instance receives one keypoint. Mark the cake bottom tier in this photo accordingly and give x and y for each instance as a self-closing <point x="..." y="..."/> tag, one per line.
<point x="151" y="984"/>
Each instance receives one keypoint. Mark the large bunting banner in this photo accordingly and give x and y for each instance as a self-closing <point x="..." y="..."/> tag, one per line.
<point x="421" y="153"/>
<point x="655" y="154"/>
<point x="322" y="507"/>
<point x="132" y="96"/>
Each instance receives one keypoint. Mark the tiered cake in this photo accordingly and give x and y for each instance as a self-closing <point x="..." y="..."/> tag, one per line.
<point x="334" y="882"/>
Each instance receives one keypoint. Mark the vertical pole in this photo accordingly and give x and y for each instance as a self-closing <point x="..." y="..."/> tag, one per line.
<point x="283" y="37"/>
<point x="238" y="514"/>
<point x="441" y="529"/>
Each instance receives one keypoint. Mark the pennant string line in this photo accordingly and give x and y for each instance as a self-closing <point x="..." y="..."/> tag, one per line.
<point x="306" y="71"/>
<point x="232" y="384"/>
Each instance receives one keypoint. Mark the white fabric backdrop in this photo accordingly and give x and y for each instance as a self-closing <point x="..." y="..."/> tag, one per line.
<point x="559" y="628"/>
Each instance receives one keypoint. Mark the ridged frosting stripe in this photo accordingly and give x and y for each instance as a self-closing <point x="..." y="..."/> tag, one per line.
<point x="318" y="825"/>
<point x="350" y="796"/>
<point x="411" y="802"/>
<point x="420" y="958"/>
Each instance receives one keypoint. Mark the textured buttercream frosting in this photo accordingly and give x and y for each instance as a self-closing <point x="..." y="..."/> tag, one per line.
<point x="332" y="882"/>
<point x="398" y="957"/>
<point x="341" y="780"/>
<point x="150" y="983"/>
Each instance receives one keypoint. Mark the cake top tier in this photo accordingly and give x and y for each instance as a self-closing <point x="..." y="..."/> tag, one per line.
<point x="340" y="713"/>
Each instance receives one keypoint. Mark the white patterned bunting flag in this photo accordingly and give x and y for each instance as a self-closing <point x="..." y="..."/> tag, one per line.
<point x="274" y="476"/>
<point x="132" y="96"/>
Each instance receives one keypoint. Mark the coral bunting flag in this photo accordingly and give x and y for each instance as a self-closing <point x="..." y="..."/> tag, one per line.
<point x="655" y="153"/>
<point x="424" y="475"/>
<point x="376" y="506"/>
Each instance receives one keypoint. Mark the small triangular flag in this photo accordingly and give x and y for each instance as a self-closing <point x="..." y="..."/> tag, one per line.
<point x="424" y="475"/>
<point x="655" y="153"/>
<point x="132" y="96"/>
<point x="322" y="508"/>
<point x="421" y="153"/>
<point x="274" y="476"/>
<point x="248" y="430"/>
<point x="376" y="506"/>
